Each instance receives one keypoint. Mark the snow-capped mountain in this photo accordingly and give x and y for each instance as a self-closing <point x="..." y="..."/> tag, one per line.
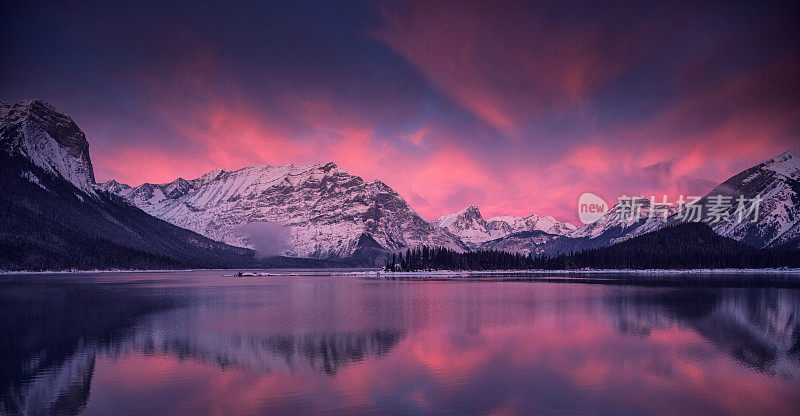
<point x="534" y="222"/>
<point x="115" y="187"/>
<point x="534" y="242"/>
<point x="611" y="228"/>
<point x="326" y="211"/>
<point x="469" y="225"/>
<point x="614" y="226"/>
<point x="60" y="220"/>
<point x="49" y="139"/>
<point x="777" y="182"/>
<point x="545" y="235"/>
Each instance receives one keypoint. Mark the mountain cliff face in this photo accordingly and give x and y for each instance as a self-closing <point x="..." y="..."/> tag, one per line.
<point x="57" y="219"/>
<point x="469" y="225"/>
<point x="49" y="139"/>
<point x="326" y="211"/>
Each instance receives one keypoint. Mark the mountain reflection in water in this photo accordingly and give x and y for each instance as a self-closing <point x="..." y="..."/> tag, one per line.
<point x="757" y="327"/>
<point x="191" y="342"/>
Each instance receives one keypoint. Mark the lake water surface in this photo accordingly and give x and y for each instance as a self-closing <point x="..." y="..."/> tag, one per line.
<point x="200" y="343"/>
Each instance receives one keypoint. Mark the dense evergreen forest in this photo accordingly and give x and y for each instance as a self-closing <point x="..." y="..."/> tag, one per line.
<point x="684" y="246"/>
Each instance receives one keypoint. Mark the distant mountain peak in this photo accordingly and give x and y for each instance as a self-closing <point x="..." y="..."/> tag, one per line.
<point x="471" y="211"/>
<point x="211" y="175"/>
<point x="469" y="225"/>
<point x="115" y="187"/>
<point x="461" y="218"/>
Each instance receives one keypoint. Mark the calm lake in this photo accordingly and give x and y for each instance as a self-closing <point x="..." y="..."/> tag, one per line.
<point x="201" y="343"/>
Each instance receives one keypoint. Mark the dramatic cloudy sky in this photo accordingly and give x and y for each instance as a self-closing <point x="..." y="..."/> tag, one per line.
<point x="515" y="107"/>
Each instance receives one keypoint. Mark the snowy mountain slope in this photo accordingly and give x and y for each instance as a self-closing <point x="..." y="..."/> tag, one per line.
<point x="790" y="239"/>
<point x="547" y="224"/>
<point x="49" y="139"/>
<point x="777" y="182"/>
<point x="469" y="225"/>
<point x="325" y="210"/>
<point x="55" y="219"/>
<point x="116" y="187"/>
<point x="536" y="242"/>
<point x="544" y="235"/>
<point x="613" y="228"/>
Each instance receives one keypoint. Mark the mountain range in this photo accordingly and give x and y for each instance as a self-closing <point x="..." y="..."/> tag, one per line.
<point x="469" y="225"/>
<point x="776" y="181"/>
<point x="56" y="216"/>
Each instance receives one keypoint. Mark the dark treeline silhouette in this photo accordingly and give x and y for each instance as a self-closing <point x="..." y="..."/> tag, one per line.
<point x="684" y="246"/>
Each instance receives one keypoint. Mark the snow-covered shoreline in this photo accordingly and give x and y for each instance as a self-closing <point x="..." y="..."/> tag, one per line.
<point x="96" y="271"/>
<point x="430" y="273"/>
<point x="467" y="273"/>
<point x="250" y="272"/>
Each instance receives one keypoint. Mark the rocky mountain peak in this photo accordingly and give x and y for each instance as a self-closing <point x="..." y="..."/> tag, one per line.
<point x="461" y="219"/>
<point x="469" y="225"/>
<point x="211" y="175"/>
<point x="470" y="213"/>
<point x="329" y="166"/>
<point x="177" y="188"/>
<point x="49" y="138"/>
<point x="60" y="127"/>
<point x="786" y="164"/>
<point x="115" y="187"/>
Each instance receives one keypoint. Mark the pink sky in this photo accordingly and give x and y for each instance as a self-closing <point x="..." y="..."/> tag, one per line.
<point x="516" y="108"/>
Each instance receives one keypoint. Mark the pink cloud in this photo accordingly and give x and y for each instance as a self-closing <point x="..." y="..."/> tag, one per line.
<point x="508" y="72"/>
<point x="504" y="66"/>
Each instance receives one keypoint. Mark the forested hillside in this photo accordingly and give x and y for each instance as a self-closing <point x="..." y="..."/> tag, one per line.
<point x="684" y="246"/>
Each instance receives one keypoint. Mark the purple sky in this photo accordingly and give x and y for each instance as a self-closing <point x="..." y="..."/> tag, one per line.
<point x="515" y="107"/>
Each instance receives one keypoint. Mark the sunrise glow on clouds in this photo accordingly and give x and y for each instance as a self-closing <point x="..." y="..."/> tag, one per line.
<point x="516" y="108"/>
